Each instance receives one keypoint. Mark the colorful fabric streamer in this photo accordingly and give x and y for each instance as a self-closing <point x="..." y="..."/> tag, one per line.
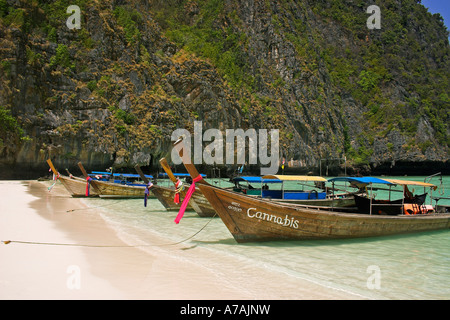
<point x="178" y="188"/>
<point x="147" y="192"/>
<point x="88" y="185"/>
<point x="187" y="198"/>
<point x="55" y="177"/>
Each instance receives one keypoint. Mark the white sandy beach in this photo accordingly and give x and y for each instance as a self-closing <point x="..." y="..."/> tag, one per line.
<point x="29" y="213"/>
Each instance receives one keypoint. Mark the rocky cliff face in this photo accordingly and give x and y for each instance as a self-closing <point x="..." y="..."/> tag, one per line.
<point x="112" y="92"/>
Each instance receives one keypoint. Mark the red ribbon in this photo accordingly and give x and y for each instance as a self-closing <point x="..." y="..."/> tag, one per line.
<point x="178" y="189"/>
<point x="187" y="198"/>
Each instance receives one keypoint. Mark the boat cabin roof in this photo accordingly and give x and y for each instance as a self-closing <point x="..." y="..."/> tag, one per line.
<point x="294" y="178"/>
<point x="362" y="180"/>
<point x="181" y="175"/>
<point x="251" y="179"/>
<point x="368" y="180"/>
<point x="414" y="183"/>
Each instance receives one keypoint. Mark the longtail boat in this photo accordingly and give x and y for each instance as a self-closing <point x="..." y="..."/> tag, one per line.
<point x="106" y="189"/>
<point x="252" y="219"/>
<point x="77" y="187"/>
<point x="407" y="204"/>
<point x="116" y="190"/>
<point x="199" y="203"/>
<point x="165" y="195"/>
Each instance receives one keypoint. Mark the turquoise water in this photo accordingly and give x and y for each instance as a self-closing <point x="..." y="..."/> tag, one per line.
<point x="397" y="267"/>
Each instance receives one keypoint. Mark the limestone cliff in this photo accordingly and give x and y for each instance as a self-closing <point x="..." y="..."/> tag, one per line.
<point x="113" y="91"/>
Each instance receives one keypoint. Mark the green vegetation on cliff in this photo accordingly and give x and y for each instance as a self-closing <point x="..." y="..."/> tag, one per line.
<point x="115" y="89"/>
<point x="399" y="74"/>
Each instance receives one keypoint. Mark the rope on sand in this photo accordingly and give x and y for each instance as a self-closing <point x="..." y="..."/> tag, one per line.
<point x="106" y="246"/>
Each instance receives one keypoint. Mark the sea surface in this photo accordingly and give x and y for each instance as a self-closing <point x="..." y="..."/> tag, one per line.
<point x="413" y="266"/>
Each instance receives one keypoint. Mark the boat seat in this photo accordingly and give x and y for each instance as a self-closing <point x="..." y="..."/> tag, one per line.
<point x="411" y="209"/>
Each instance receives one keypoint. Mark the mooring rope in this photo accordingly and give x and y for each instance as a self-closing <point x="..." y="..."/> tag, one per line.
<point x="88" y="208"/>
<point x="107" y="246"/>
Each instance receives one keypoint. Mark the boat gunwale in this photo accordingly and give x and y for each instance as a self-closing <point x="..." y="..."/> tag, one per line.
<point x="321" y="210"/>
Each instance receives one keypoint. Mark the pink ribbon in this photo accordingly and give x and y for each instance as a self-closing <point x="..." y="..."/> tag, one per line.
<point x="147" y="192"/>
<point x="187" y="198"/>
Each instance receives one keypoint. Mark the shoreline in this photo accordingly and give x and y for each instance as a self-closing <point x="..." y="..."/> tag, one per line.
<point x="121" y="271"/>
<point x="20" y="172"/>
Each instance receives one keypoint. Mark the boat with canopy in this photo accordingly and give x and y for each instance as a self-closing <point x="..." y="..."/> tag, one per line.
<point x="100" y="185"/>
<point x="256" y="219"/>
<point x="199" y="203"/>
<point x="172" y="197"/>
<point x="407" y="204"/>
<point x="116" y="185"/>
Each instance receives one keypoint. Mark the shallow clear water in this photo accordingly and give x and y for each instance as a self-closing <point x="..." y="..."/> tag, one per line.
<point x="398" y="267"/>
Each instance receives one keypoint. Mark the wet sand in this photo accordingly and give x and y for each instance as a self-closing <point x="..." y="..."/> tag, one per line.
<point x="87" y="259"/>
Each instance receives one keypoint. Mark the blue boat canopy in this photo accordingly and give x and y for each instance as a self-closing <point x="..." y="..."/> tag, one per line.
<point x="252" y="179"/>
<point x="100" y="172"/>
<point x="180" y="175"/>
<point x="362" y="180"/>
<point x="295" y="178"/>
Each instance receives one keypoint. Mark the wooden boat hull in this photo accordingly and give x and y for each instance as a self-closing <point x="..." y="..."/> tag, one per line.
<point x="250" y="219"/>
<point x="166" y="196"/>
<point x="197" y="203"/>
<point x="201" y="205"/>
<point x="116" y="190"/>
<point x="77" y="186"/>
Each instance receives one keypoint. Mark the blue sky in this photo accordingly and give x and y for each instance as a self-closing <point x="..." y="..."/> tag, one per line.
<point x="439" y="6"/>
